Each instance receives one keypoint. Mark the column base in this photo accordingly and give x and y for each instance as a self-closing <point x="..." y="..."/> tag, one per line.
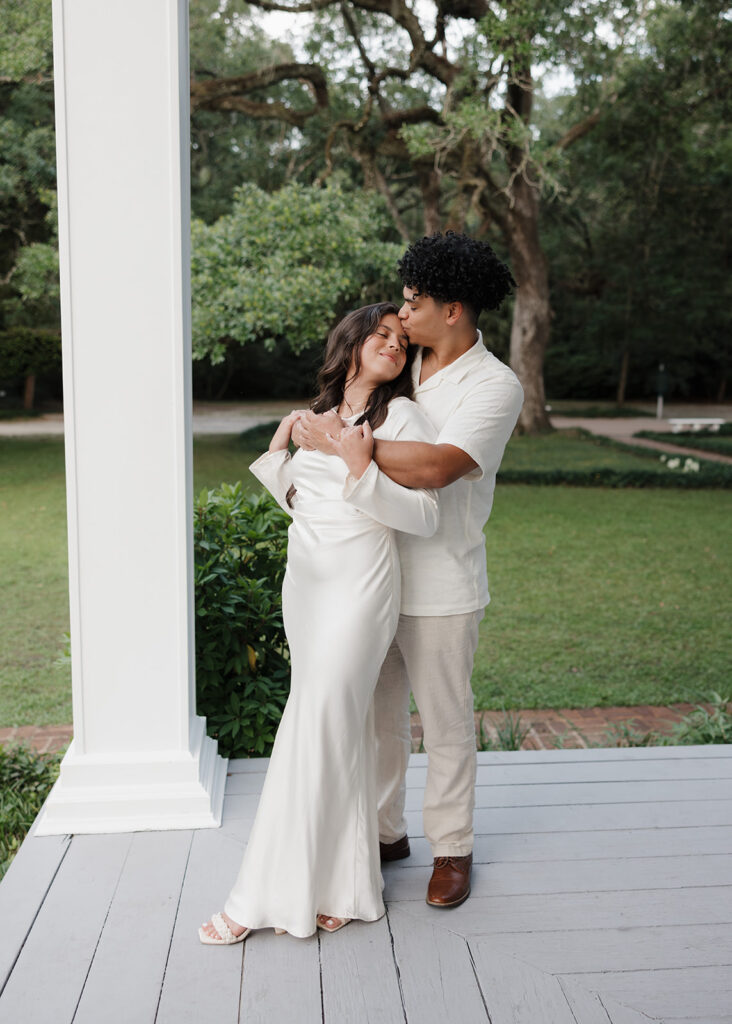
<point x="131" y="792"/>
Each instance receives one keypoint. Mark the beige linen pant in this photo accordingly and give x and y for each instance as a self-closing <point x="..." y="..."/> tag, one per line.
<point x="433" y="657"/>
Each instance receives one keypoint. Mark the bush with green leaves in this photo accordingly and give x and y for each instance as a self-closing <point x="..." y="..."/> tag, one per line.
<point x="242" y="658"/>
<point x="28" y="350"/>
<point x="283" y="266"/>
<point x="25" y="780"/>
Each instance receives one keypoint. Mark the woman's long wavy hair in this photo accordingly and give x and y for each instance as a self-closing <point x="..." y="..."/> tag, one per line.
<point x="344" y="342"/>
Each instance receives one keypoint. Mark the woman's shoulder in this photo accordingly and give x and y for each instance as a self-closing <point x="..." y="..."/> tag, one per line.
<point x="406" y="420"/>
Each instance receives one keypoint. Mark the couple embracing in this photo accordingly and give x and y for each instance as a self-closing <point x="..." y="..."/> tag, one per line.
<point x="389" y="490"/>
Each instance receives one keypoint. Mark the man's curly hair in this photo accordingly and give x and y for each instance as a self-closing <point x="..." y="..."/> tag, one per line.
<point x="456" y="268"/>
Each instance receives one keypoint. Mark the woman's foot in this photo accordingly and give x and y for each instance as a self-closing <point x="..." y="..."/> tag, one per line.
<point x="222" y="931"/>
<point x="331" y="924"/>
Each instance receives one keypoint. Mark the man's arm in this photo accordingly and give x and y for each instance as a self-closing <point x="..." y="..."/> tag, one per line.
<point x="416" y="464"/>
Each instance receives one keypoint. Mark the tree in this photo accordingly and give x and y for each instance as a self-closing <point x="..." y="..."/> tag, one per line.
<point x="285" y="265"/>
<point x="443" y="102"/>
<point x="639" y="238"/>
<point x="28" y="258"/>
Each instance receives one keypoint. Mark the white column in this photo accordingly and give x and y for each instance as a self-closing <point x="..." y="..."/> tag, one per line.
<point x="140" y="758"/>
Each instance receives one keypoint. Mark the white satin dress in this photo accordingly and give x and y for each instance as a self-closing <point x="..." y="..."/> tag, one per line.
<point x="314" y="845"/>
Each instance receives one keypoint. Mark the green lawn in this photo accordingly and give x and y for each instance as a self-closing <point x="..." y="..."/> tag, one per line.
<point x="599" y="596"/>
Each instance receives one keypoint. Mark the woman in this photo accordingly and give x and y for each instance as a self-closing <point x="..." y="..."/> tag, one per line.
<point x="313" y="857"/>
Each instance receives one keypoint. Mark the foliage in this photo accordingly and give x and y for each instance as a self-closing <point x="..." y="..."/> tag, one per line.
<point x="510" y="733"/>
<point x="638" y="238"/>
<point x="28" y="350"/>
<point x="25" y="780"/>
<point x="227" y="151"/>
<point x="242" y="659"/>
<point x="703" y="440"/>
<point x="704" y="725"/>
<point x="285" y="266"/>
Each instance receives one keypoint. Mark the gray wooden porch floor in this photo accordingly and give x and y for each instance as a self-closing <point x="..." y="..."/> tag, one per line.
<point x="602" y="893"/>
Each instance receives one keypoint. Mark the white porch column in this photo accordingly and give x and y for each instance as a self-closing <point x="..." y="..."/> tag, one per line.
<point x="140" y="758"/>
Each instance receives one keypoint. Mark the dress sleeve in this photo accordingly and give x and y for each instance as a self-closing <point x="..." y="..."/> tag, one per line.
<point x="274" y="470"/>
<point x="402" y="508"/>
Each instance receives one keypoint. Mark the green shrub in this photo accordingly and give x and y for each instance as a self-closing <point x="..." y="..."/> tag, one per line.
<point x="702" y="440"/>
<point x="710" y="475"/>
<point x="242" y="658"/>
<point x="703" y="725"/>
<point x="25" y="780"/>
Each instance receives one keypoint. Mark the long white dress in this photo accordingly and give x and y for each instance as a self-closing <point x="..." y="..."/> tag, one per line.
<point x="313" y="848"/>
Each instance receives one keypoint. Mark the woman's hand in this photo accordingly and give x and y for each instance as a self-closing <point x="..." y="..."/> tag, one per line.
<point x="355" y="446"/>
<point x="282" y="435"/>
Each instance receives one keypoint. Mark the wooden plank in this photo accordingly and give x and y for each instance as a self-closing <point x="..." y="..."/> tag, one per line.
<point x="240" y="806"/>
<point x="589" y="817"/>
<point x="573" y="876"/>
<point x="571" y="793"/>
<point x="23" y="890"/>
<point x="582" y="755"/>
<point x="59" y="950"/>
<point x="248" y="764"/>
<point x="538" y="846"/>
<point x="586" y="1006"/>
<point x="621" y="1014"/>
<point x="244" y="782"/>
<point x="621" y="949"/>
<point x="125" y="977"/>
<point x="672" y="994"/>
<point x="517" y="993"/>
<point x="202" y="983"/>
<point x="590" y="771"/>
<point x="488" y="914"/>
<point x="281" y="980"/>
<point x="359" y="976"/>
<point x="621" y="909"/>
<point x="436" y="973"/>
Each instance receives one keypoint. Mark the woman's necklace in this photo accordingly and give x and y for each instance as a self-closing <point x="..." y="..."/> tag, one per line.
<point x="354" y="412"/>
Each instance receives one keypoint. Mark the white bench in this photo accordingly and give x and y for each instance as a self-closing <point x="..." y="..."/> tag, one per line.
<point x="692" y="424"/>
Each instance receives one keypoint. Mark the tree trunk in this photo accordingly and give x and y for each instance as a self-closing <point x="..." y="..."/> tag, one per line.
<point x="429" y="183"/>
<point x="532" y="312"/>
<point x="623" y="378"/>
<point x="29" y="391"/>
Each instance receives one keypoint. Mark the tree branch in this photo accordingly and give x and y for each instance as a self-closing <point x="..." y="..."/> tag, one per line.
<point x="229" y="93"/>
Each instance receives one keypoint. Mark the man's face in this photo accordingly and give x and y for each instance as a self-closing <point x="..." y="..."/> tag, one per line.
<point x="422" y="318"/>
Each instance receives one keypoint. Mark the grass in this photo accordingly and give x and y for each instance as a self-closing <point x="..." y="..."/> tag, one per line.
<point x="576" y="450"/>
<point x="604" y="597"/>
<point x="599" y="596"/>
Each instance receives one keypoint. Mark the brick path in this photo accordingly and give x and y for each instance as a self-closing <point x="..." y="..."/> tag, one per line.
<point x="547" y="729"/>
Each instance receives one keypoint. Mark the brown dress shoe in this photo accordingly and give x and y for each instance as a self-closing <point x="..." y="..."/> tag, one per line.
<point x="450" y="882"/>
<point x="394" y="851"/>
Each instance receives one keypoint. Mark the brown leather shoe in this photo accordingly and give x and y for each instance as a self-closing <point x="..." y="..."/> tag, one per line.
<point x="450" y="882"/>
<point x="394" y="851"/>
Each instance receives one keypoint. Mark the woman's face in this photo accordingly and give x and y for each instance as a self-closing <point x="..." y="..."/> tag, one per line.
<point x="384" y="353"/>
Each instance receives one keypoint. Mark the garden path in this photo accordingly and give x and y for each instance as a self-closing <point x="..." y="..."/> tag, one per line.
<point x="601" y="895"/>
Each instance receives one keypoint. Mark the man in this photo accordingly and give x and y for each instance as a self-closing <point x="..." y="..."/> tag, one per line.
<point x="473" y="400"/>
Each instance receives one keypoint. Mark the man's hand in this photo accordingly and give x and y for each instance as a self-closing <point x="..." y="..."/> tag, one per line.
<point x="311" y="431"/>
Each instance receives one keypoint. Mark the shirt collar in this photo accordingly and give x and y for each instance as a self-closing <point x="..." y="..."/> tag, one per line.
<point x="454" y="371"/>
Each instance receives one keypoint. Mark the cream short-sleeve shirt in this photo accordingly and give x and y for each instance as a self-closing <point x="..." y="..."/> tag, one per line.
<point x="473" y="404"/>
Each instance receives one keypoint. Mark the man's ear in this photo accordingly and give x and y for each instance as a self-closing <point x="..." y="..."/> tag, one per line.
<point x="454" y="311"/>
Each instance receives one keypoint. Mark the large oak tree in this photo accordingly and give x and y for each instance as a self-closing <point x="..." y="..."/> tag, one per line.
<point x="439" y="99"/>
